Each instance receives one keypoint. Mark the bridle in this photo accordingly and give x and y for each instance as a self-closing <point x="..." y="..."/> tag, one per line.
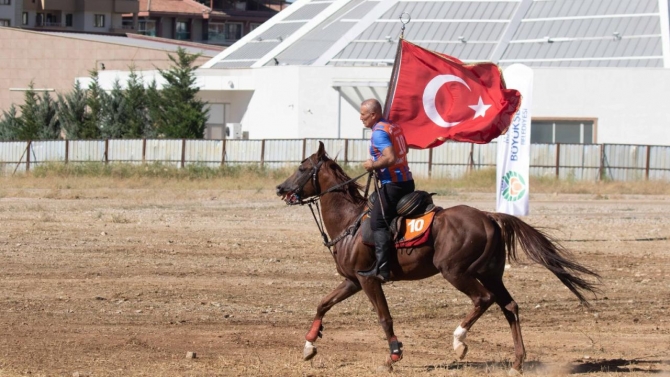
<point x="315" y="183"/>
<point x="314" y="199"/>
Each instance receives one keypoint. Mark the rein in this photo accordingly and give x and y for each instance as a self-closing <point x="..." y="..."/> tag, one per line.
<point x="316" y="198"/>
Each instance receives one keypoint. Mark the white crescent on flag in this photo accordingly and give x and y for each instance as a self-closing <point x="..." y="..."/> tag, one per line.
<point x="430" y="93"/>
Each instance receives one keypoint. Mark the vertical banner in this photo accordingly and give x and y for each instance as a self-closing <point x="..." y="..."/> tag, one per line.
<point x="513" y="162"/>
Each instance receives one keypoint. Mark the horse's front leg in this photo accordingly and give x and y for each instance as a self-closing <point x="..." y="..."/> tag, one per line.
<point x="345" y="290"/>
<point x="373" y="289"/>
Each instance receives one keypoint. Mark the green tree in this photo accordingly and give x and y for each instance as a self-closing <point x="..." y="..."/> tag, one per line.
<point x="72" y="111"/>
<point x="136" y="105"/>
<point x="182" y="115"/>
<point x="154" y="110"/>
<point x="47" y="115"/>
<point x="114" y="113"/>
<point x="95" y="98"/>
<point x="9" y="125"/>
<point x="30" y="123"/>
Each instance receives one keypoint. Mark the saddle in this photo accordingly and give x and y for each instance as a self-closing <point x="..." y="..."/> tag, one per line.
<point x="411" y="228"/>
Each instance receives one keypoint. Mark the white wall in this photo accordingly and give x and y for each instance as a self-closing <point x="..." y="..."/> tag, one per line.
<point x="631" y="105"/>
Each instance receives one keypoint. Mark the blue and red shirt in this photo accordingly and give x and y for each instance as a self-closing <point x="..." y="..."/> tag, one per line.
<point x="384" y="135"/>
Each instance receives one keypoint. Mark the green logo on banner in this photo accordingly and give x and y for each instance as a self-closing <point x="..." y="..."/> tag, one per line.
<point x="514" y="187"/>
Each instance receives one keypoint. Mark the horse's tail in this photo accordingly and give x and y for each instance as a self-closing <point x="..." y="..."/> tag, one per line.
<point x="542" y="249"/>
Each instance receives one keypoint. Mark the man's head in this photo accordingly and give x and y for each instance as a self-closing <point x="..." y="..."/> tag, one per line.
<point x="371" y="112"/>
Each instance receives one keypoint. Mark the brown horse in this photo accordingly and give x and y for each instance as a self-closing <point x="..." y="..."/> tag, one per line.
<point x="468" y="247"/>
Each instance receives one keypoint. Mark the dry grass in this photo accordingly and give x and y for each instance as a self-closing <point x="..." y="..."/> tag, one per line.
<point x="68" y="181"/>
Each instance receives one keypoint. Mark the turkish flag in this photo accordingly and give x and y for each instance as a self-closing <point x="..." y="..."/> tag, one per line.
<point x="436" y="97"/>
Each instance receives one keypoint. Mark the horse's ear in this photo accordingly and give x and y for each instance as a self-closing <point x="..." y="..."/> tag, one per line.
<point x="322" y="150"/>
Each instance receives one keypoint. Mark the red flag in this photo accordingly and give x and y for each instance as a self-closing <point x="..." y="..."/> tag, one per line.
<point x="435" y="97"/>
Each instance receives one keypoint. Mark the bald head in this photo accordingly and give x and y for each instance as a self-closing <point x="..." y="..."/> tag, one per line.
<point x="371" y="112"/>
<point x="372" y="105"/>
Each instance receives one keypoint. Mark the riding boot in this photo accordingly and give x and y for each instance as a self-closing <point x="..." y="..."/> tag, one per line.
<point x="383" y="245"/>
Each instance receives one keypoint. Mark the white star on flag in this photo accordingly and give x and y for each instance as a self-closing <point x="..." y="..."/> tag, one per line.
<point x="479" y="108"/>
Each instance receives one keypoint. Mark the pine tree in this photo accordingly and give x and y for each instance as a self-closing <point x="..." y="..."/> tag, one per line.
<point x="154" y="111"/>
<point x="31" y="123"/>
<point x="183" y="115"/>
<point x="113" y="113"/>
<point x="95" y="98"/>
<point x="47" y="114"/>
<point x="72" y="111"/>
<point x="136" y="104"/>
<point x="9" y="125"/>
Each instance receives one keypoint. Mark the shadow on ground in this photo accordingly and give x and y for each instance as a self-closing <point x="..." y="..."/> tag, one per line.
<point x="575" y="367"/>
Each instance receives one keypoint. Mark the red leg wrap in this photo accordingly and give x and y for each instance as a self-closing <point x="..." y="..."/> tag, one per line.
<point x="314" y="331"/>
<point x="396" y="349"/>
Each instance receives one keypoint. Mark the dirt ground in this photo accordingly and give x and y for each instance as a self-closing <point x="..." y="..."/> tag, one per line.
<point x="126" y="281"/>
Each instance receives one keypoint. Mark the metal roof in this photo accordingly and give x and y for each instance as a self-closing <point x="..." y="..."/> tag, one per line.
<point x="555" y="33"/>
<point x="143" y="42"/>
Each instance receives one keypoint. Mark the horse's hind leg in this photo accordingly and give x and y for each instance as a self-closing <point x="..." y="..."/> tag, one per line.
<point x="482" y="299"/>
<point x="343" y="291"/>
<point x="511" y="312"/>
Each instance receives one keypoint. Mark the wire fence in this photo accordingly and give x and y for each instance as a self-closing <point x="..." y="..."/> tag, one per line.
<point x="592" y="162"/>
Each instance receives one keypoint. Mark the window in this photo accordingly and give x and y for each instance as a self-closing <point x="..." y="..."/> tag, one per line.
<point x="147" y="27"/>
<point x="99" y="20"/>
<point x="233" y="31"/>
<point x="24" y="18"/>
<point x="562" y="131"/>
<point x="5" y="2"/>
<point x="4" y="22"/>
<point x="221" y="32"/>
<point x="215" y="32"/>
<point x="68" y="20"/>
<point x="253" y="25"/>
<point x="183" y="31"/>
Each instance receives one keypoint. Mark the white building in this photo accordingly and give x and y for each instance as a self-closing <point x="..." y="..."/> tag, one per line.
<point x="602" y="67"/>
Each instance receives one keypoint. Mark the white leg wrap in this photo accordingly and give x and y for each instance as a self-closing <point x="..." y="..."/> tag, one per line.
<point x="309" y="344"/>
<point x="459" y="336"/>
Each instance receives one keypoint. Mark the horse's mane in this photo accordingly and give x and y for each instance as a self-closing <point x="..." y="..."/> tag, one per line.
<point x="353" y="189"/>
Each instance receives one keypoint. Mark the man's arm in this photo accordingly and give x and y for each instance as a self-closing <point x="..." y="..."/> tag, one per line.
<point x="385" y="160"/>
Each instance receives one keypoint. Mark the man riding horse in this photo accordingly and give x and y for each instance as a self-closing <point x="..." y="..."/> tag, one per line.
<point x="388" y="151"/>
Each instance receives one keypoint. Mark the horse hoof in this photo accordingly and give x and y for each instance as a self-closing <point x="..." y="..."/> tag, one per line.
<point x="513" y="372"/>
<point x="461" y="350"/>
<point x="308" y="353"/>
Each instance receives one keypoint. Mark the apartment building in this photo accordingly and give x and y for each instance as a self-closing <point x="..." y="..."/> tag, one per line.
<point x="220" y="22"/>
<point x="89" y="16"/>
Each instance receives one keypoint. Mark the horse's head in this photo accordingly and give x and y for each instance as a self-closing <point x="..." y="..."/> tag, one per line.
<point x="304" y="183"/>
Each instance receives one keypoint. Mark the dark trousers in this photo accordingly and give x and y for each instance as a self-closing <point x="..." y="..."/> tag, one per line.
<point x="384" y="208"/>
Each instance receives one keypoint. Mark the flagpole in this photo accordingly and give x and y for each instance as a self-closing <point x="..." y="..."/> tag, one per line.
<point x="394" y="72"/>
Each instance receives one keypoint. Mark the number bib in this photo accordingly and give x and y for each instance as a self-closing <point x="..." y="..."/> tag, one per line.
<point x="413" y="229"/>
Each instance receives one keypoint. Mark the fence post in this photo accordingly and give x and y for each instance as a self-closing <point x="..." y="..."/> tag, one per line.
<point x="144" y="151"/>
<point x="646" y="169"/>
<point x="471" y="163"/>
<point x="430" y="163"/>
<point x="67" y="151"/>
<point x="183" y="152"/>
<point x="106" y="154"/>
<point x="304" y="149"/>
<point x="30" y="142"/>
<point x="558" y="157"/>
<point x="262" y="152"/>
<point x="223" y="151"/>
<point x="601" y="169"/>
<point x="346" y="151"/>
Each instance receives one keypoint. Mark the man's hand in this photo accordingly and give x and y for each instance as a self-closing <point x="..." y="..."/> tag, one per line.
<point x="386" y="159"/>
<point x="367" y="165"/>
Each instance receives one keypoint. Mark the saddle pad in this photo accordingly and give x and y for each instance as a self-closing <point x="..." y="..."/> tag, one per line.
<point x="413" y="231"/>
